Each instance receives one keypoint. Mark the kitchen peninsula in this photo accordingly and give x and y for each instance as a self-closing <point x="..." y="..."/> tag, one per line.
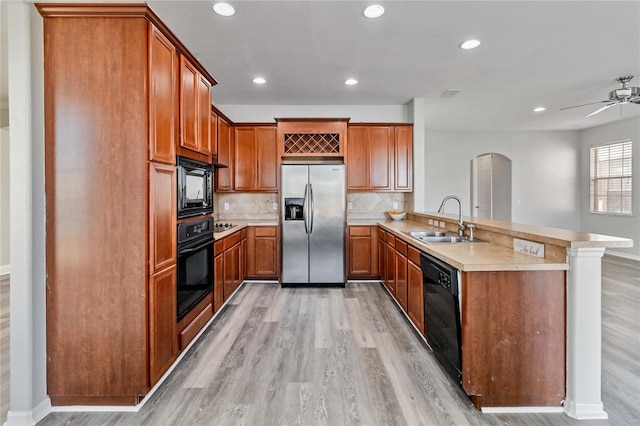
<point x="577" y="253"/>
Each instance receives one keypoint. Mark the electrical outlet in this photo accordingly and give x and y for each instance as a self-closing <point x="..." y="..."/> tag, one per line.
<point x="275" y="206"/>
<point x="349" y="205"/>
<point x="441" y="224"/>
<point x="430" y="221"/>
<point x="395" y="205"/>
<point x="226" y="206"/>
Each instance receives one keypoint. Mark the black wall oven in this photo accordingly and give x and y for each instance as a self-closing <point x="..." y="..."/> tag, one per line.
<point x="195" y="187"/>
<point x="195" y="263"/>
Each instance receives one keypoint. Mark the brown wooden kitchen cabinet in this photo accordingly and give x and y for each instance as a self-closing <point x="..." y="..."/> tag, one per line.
<point x="415" y="290"/>
<point x="362" y="252"/>
<point x="163" y="339"/>
<point x="229" y="266"/>
<point x="382" y="245"/>
<point x="401" y="273"/>
<point x="380" y="157"/>
<point x="513" y="338"/>
<point x="213" y="134"/>
<point x="256" y="158"/>
<point x="163" y="98"/>
<point x="312" y="138"/>
<point x="224" y="176"/>
<point x="162" y="216"/>
<point x="390" y="263"/>
<point x="263" y="252"/>
<point x="369" y="157"/>
<point x="122" y="271"/>
<point x="195" y="110"/>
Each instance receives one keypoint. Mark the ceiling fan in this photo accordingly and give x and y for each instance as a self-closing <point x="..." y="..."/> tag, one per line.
<point x="621" y="96"/>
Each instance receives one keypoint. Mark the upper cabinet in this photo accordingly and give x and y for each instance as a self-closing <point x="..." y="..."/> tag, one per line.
<point x="224" y="176"/>
<point x="380" y="158"/>
<point x="213" y="133"/>
<point x="256" y="158"/>
<point x="195" y="110"/>
<point x="315" y="138"/>
<point x="163" y="98"/>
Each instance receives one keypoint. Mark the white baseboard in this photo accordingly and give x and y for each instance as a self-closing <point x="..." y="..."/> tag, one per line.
<point x="623" y="255"/>
<point x="29" y="418"/>
<point x="5" y="270"/>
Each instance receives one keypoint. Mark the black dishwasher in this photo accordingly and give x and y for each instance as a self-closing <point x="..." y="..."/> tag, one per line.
<point x="442" y="313"/>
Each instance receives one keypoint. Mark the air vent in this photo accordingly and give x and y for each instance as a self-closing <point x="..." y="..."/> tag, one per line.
<point x="450" y="93"/>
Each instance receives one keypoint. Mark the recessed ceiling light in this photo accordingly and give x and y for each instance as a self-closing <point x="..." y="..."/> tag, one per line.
<point x="470" y="44"/>
<point x="351" y="82"/>
<point x="374" y="11"/>
<point x="224" y="9"/>
<point x="259" y="80"/>
<point x="539" y="109"/>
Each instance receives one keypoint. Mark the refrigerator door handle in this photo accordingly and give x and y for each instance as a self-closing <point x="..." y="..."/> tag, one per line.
<point x="305" y="208"/>
<point x="311" y="202"/>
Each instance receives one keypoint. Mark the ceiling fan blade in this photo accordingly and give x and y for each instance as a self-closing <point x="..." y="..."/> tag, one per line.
<point x="601" y="109"/>
<point x="590" y="103"/>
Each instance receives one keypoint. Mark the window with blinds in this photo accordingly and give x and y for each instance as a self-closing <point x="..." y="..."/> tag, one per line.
<point x="610" y="178"/>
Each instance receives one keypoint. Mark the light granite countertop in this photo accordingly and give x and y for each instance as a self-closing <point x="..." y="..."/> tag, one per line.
<point x="243" y="224"/>
<point x="479" y="256"/>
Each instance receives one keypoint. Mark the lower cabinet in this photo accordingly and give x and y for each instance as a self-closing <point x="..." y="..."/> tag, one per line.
<point x="399" y="269"/>
<point x="362" y="252"/>
<point x="163" y="344"/>
<point x="401" y="273"/>
<point x="390" y="263"/>
<point x="262" y="252"/>
<point x="228" y="266"/>
<point x="415" y="289"/>
<point x="513" y="338"/>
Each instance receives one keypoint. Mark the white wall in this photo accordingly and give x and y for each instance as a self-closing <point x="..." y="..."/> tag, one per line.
<point x="545" y="172"/>
<point x="620" y="226"/>
<point x="5" y="254"/>
<point x="356" y="113"/>
<point x="29" y="400"/>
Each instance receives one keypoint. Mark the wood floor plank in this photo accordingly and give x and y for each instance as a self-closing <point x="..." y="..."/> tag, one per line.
<point x="301" y="356"/>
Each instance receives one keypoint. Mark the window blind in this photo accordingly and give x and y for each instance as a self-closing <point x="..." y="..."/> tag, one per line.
<point x="610" y="175"/>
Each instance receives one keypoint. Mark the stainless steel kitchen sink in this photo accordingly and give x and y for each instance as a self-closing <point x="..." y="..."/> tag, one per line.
<point x="439" y="237"/>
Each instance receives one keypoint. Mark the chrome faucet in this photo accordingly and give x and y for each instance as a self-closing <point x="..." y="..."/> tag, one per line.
<point x="441" y="210"/>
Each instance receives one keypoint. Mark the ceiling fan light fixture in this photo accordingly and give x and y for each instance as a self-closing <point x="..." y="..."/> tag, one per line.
<point x="224" y="9"/>
<point x="470" y="44"/>
<point x="259" y="80"/>
<point x="351" y="82"/>
<point x="374" y="11"/>
<point x="539" y="109"/>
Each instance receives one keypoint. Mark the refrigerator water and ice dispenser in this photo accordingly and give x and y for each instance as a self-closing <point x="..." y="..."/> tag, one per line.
<point x="293" y="209"/>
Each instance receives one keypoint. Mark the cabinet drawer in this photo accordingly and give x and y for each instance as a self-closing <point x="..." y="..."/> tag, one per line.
<point x="359" y="231"/>
<point x="195" y="326"/>
<point x="401" y="247"/>
<point x="218" y="247"/>
<point x="382" y="234"/>
<point x="231" y="240"/>
<point x="243" y="234"/>
<point x="414" y="255"/>
<point x="265" y="231"/>
<point x="391" y="239"/>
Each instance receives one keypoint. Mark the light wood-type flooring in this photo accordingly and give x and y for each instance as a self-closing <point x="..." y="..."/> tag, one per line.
<point x="348" y="356"/>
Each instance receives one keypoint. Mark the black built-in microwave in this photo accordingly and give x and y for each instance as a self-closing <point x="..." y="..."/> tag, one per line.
<point x="195" y="187"/>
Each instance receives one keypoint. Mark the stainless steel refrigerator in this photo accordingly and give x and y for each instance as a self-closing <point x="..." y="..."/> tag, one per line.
<point x="313" y="201"/>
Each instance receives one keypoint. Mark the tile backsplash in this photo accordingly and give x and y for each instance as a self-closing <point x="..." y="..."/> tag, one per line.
<point x="259" y="205"/>
<point x="246" y="205"/>
<point x="374" y="205"/>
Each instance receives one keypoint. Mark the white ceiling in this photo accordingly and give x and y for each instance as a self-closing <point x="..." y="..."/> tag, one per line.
<point x="550" y="53"/>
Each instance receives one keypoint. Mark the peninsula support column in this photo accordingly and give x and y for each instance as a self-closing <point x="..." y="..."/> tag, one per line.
<point x="584" y="334"/>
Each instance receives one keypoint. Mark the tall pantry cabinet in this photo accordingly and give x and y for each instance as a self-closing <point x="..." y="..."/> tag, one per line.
<point x="112" y="124"/>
